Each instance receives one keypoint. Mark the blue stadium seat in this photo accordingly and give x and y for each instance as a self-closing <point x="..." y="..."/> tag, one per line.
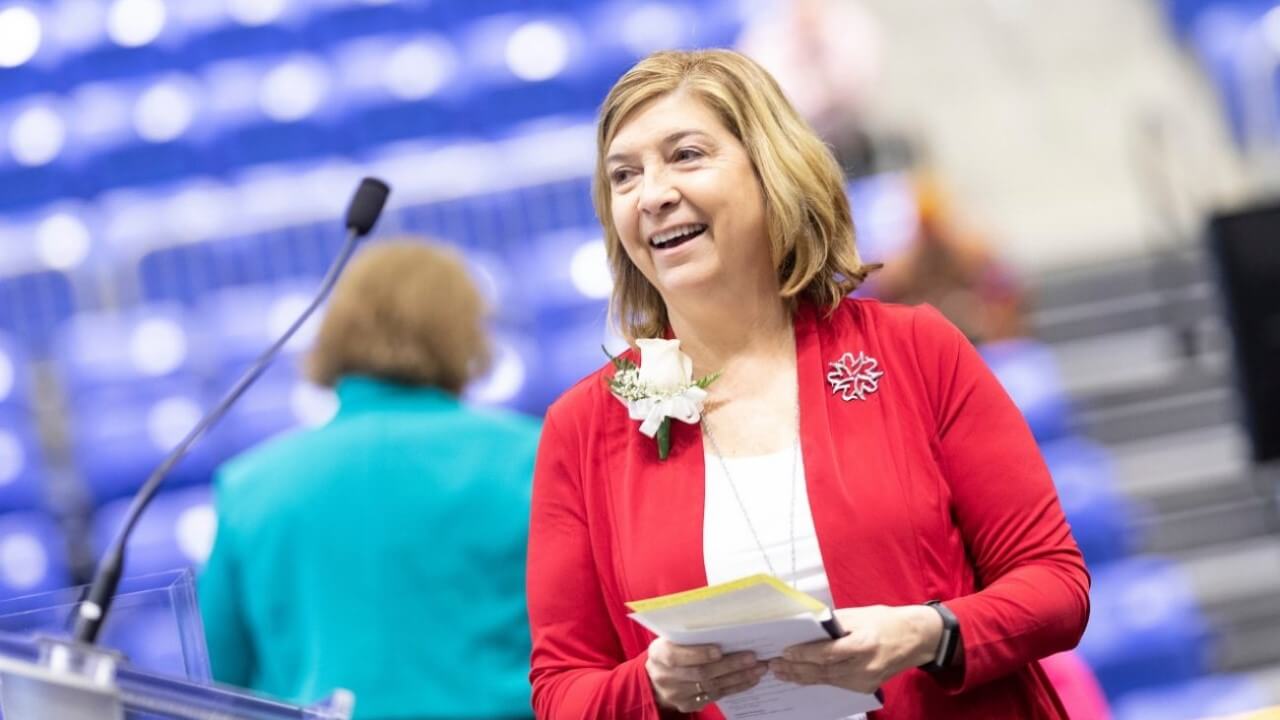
<point x="1216" y="696"/>
<point x="22" y="468"/>
<point x="113" y="62"/>
<point x="14" y="373"/>
<point x="399" y="121"/>
<point x="176" y="531"/>
<point x="565" y="268"/>
<point x="1029" y="373"/>
<point x="23" y="188"/>
<point x="356" y="20"/>
<point x="244" y="321"/>
<point x="120" y="435"/>
<point x="290" y="255"/>
<point x="95" y="350"/>
<point x="510" y="382"/>
<point x="33" y="304"/>
<point x="240" y="42"/>
<point x="1103" y="520"/>
<point x="273" y="142"/>
<point x="1145" y="628"/>
<point x="25" y="79"/>
<point x="570" y="342"/>
<point x="33" y="555"/>
<point x="182" y="273"/>
<point x="142" y="164"/>
<point x="498" y="108"/>
<point x="279" y="402"/>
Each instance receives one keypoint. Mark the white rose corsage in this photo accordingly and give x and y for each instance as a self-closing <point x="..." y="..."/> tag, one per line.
<point x="659" y="389"/>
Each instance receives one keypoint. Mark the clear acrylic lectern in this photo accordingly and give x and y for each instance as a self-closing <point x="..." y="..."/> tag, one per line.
<point x="152" y="662"/>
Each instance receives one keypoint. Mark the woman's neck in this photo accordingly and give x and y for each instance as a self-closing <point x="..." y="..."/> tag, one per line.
<point x="714" y="335"/>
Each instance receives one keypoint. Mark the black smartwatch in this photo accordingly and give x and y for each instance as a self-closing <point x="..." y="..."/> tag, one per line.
<point x="948" y="643"/>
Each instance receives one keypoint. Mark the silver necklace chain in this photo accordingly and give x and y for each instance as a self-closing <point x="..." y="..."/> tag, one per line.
<point x="795" y="466"/>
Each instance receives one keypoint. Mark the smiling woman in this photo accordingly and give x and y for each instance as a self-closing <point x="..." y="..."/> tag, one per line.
<point x="714" y="129"/>
<point x="858" y="451"/>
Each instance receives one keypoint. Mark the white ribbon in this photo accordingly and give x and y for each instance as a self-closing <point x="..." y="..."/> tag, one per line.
<point x="685" y="407"/>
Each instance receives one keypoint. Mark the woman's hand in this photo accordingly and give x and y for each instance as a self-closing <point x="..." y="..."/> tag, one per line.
<point x="687" y="678"/>
<point x="882" y="642"/>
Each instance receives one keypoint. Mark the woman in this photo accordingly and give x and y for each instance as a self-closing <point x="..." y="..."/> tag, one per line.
<point x="859" y="451"/>
<point x="374" y="552"/>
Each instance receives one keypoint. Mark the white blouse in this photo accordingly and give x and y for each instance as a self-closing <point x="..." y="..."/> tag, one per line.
<point x="765" y="485"/>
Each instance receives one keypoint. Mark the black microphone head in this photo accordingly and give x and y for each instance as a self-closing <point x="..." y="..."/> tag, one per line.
<point x="366" y="205"/>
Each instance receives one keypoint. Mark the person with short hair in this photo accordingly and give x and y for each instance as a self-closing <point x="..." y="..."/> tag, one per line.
<point x="383" y="552"/>
<point x="858" y="451"/>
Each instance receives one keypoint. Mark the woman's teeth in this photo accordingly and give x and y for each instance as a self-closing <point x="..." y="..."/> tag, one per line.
<point x="676" y="236"/>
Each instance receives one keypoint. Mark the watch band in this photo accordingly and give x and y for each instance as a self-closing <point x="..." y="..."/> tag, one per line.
<point x="949" y="641"/>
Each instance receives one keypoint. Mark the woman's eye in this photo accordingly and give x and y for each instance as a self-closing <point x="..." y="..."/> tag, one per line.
<point x="619" y="176"/>
<point x="687" y="154"/>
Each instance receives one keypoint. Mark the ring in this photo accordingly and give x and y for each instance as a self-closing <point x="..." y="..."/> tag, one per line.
<point x="701" y="690"/>
<point x="701" y="698"/>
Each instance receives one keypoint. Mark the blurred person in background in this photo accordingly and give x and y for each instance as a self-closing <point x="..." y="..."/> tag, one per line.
<point x="383" y="552"/>
<point x="919" y="506"/>
<point x="827" y="56"/>
<point x="954" y="270"/>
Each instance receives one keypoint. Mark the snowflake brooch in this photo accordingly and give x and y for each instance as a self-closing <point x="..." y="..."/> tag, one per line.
<point x="854" y="377"/>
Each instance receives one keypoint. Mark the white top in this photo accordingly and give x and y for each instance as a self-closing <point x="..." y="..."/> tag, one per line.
<point x="764" y="484"/>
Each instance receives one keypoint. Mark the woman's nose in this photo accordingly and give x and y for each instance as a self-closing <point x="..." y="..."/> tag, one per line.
<point x="658" y="195"/>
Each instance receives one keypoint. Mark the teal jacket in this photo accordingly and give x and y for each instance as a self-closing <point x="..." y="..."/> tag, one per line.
<point x="382" y="553"/>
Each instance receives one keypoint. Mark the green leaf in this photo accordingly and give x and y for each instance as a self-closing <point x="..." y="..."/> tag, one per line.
<point x="664" y="439"/>
<point x="706" y="381"/>
<point x="618" y="361"/>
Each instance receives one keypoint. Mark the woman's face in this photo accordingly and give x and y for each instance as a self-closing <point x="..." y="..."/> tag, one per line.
<point x="685" y="199"/>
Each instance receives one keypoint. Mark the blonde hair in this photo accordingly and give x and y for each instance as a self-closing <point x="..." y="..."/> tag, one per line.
<point x="809" y="227"/>
<point x="404" y="311"/>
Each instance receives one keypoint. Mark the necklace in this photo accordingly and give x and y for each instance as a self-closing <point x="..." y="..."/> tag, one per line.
<point x="795" y="466"/>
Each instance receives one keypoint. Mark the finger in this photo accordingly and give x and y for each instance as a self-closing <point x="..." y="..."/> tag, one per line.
<point x="800" y="673"/>
<point x="743" y="686"/>
<point x="688" y="655"/>
<point x="827" y="652"/>
<point x="694" y="702"/>
<point x="717" y="687"/>
<point x="850" y="675"/>
<point x="711" y="671"/>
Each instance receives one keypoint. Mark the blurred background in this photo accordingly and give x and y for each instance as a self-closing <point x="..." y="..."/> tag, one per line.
<point x="1082" y="187"/>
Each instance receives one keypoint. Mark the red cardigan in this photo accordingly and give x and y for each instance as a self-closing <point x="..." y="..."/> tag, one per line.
<point x="931" y="487"/>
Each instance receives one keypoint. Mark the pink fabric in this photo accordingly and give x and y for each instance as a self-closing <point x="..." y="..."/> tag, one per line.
<point x="1077" y="687"/>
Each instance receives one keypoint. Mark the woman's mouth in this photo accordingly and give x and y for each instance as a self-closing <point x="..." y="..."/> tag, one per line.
<point x="676" y="236"/>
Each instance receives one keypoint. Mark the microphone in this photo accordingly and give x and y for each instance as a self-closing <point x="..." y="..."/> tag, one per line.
<point x="366" y="205"/>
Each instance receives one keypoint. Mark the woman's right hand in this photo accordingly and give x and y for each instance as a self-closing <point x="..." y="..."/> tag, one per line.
<point x="687" y="678"/>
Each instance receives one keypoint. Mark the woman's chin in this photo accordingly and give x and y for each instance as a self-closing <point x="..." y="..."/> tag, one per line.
<point x="684" y="282"/>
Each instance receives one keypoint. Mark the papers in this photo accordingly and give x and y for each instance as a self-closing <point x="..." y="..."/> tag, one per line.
<point x="763" y="615"/>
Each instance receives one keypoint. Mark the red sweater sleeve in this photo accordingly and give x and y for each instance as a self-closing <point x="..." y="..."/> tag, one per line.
<point x="1033" y="597"/>
<point x="579" y="669"/>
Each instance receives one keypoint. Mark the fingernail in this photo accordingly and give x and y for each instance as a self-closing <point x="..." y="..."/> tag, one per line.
<point x="748" y="659"/>
<point x="715" y="654"/>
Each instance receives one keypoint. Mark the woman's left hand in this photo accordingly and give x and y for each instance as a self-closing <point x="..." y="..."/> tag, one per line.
<point x="882" y="642"/>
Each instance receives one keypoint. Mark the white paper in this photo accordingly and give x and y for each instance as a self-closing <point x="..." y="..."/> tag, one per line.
<point x="771" y="698"/>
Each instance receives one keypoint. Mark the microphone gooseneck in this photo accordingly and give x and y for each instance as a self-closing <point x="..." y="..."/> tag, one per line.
<point x="366" y="205"/>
